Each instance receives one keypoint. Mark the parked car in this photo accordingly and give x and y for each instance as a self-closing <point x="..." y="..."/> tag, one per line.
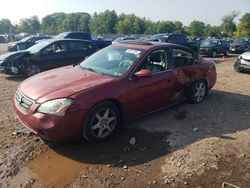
<point x="239" y="46"/>
<point x="213" y="47"/>
<point x="46" y="55"/>
<point x="84" y="36"/>
<point x="175" y="39"/>
<point x="74" y="35"/>
<point x="25" y="43"/>
<point x="242" y="62"/>
<point x="2" y="39"/>
<point x="119" y="39"/>
<point x="119" y="83"/>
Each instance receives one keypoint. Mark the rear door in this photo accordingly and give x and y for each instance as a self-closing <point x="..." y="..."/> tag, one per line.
<point x="186" y="65"/>
<point x="157" y="91"/>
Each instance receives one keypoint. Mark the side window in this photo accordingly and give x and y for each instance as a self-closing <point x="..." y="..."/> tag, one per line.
<point x="156" y="61"/>
<point x="79" y="46"/>
<point x="56" y="47"/>
<point x="183" y="58"/>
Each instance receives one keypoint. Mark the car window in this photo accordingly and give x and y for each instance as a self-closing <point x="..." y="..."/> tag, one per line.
<point x="155" y="62"/>
<point x="113" y="60"/>
<point x="56" y="47"/>
<point x="183" y="58"/>
<point x="79" y="46"/>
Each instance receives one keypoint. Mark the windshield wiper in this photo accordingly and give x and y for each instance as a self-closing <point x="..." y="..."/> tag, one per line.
<point x="92" y="70"/>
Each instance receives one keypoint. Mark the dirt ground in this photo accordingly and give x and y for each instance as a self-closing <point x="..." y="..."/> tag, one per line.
<point x="203" y="146"/>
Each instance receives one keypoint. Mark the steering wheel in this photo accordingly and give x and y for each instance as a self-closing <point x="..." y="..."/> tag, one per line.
<point x="125" y="64"/>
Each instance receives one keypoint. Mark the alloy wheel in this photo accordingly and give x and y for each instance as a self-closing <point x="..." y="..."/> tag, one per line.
<point x="32" y="70"/>
<point x="103" y="123"/>
<point x="200" y="92"/>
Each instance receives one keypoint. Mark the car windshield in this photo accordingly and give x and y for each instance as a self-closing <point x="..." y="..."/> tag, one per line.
<point x="209" y="43"/>
<point x="112" y="61"/>
<point x="158" y="37"/>
<point x="61" y="36"/>
<point x="25" y="39"/>
<point x="37" y="47"/>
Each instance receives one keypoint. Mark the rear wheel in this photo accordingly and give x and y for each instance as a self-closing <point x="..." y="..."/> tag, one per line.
<point x="101" y="122"/>
<point x="226" y="53"/>
<point x="214" y="54"/>
<point x="32" y="70"/>
<point x="197" y="92"/>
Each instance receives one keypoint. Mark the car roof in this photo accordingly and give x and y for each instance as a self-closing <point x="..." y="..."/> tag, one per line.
<point x="145" y="45"/>
<point x="67" y="39"/>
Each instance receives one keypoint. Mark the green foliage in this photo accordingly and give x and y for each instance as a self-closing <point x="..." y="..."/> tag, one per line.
<point x="52" y="24"/>
<point x="243" y="28"/>
<point x="196" y="29"/>
<point x="76" y="22"/>
<point x="104" y="22"/>
<point x="228" y="25"/>
<point x="212" y="31"/>
<point x="165" y="27"/>
<point x="30" y="25"/>
<point x="6" y="26"/>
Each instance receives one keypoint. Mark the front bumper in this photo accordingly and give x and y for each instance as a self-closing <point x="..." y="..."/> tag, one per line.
<point x="51" y="127"/>
<point x="244" y="64"/>
<point x="9" y="70"/>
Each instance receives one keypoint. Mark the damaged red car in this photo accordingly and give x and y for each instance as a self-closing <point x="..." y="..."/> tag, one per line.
<point x="119" y="83"/>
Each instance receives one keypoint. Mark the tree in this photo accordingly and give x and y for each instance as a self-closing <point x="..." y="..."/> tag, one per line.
<point x="196" y="29"/>
<point x="178" y="28"/>
<point x="104" y="22"/>
<point x="243" y="28"/>
<point x="228" y="25"/>
<point x="130" y="24"/>
<point x="212" y="31"/>
<point x="76" y="22"/>
<point x="6" y="26"/>
<point x="30" y="25"/>
<point x="165" y="27"/>
<point x="52" y="24"/>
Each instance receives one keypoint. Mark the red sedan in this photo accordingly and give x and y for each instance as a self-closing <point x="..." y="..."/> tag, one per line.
<point x="119" y="83"/>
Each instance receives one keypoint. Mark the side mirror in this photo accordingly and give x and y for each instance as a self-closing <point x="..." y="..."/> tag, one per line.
<point x="144" y="73"/>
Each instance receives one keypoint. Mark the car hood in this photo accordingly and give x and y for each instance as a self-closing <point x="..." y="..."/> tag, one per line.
<point x="60" y="83"/>
<point x="12" y="56"/>
<point x="245" y="56"/>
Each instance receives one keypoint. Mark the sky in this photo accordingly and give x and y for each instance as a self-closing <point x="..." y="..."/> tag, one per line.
<point x="208" y="11"/>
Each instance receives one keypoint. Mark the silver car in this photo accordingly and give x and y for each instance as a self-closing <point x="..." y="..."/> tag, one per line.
<point x="242" y="62"/>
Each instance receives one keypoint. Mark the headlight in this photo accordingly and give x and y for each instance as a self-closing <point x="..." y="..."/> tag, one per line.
<point x="55" y="107"/>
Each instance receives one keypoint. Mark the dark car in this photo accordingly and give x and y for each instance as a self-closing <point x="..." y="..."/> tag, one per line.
<point x="46" y="55"/>
<point x="239" y="46"/>
<point x="2" y="39"/>
<point x="119" y="83"/>
<point x="213" y="47"/>
<point x="25" y="43"/>
<point x="242" y="62"/>
<point x="74" y="35"/>
<point x="175" y="38"/>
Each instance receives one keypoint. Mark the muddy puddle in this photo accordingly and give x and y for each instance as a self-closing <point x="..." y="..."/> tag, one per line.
<point x="60" y="165"/>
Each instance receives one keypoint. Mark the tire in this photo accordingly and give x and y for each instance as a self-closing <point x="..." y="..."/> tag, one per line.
<point x="101" y="122"/>
<point x="226" y="53"/>
<point x="214" y="54"/>
<point x="32" y="70"/>
<point x="196" y="93"/>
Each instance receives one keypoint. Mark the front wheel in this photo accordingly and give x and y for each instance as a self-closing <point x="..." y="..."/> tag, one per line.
<point x="226" y="53"/>
<point x="214" y="54"/>
<point x="196" y="92"/>
<point x="32" y="70"/>
<point x="237" y="66"/>
<point x="101" y="122"/>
